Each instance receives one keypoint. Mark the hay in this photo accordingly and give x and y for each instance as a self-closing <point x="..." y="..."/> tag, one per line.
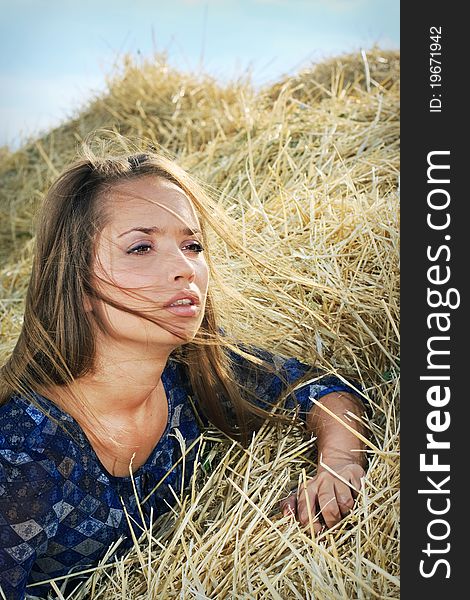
<point x="308" y="169"/>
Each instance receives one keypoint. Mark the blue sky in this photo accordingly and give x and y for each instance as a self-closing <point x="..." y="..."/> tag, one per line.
<point x="55" y="54"/>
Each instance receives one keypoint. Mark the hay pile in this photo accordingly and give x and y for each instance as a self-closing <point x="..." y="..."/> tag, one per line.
<point x="308" y="168"/>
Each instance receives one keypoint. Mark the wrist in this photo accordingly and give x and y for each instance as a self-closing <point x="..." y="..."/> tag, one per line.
<point x="335" y="458"/>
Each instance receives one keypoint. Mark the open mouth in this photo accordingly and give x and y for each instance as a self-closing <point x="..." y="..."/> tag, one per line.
<point x="184" y="307"/>
<point x="183" y="302"/>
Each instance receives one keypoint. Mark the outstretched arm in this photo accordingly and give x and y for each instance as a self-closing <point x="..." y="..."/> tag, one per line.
<point x="341" y="462"/>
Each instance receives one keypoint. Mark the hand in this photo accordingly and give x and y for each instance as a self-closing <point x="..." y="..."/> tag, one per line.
<point x="330" y="498"/>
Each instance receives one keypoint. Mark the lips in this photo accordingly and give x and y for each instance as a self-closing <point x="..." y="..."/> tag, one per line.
<point x="184" y="304"/>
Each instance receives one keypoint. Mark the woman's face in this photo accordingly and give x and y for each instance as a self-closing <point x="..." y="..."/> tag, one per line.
<point x="149" y="257"/>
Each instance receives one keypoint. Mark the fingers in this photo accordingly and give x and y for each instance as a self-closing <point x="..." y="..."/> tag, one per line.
<point x="303" y="508"/>
<point x="329" y="498"/>
<point x="336" y="502"/>
<point x="308" y="506"/>
<point x="289" y="505"/>
<point x="356" y="475"/>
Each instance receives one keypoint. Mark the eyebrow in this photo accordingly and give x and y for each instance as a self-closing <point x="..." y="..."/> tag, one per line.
<point x="161" y="230"/>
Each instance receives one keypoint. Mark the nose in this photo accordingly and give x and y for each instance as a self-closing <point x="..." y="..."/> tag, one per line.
<point x="181" y="268"/>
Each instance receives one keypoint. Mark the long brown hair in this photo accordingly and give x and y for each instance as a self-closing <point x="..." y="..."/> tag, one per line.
<point x="57" y="341"/>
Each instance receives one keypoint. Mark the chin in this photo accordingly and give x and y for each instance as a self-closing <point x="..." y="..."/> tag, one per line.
<point x="154" y="335"/>
<point x="183" y="336"/>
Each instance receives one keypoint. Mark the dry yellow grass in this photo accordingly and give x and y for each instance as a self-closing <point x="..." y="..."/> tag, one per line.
<point x="309" y="171"/>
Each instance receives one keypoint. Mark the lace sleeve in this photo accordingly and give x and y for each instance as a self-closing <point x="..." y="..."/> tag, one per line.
<point x="264" y="385"/>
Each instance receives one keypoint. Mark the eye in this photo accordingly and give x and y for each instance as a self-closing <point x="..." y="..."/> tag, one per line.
<point x="140" y="249"/>
<point x="195" y="247"/>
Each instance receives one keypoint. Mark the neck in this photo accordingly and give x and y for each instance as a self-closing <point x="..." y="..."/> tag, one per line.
<point x="124" y="410"/>
<point x="124" y="379"/>
<point x="122" y="384"/>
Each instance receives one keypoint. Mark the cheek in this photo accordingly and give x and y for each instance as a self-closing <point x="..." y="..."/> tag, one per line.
<point x="203" y="277"/>
<point x="111" y="273"/>
<point x="109" y="278"/>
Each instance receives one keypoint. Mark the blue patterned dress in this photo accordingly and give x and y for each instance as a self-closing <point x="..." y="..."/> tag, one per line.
<point x="60" y="509"/>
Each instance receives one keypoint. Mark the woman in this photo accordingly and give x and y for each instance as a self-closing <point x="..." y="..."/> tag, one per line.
<point x="120" y="346"/>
